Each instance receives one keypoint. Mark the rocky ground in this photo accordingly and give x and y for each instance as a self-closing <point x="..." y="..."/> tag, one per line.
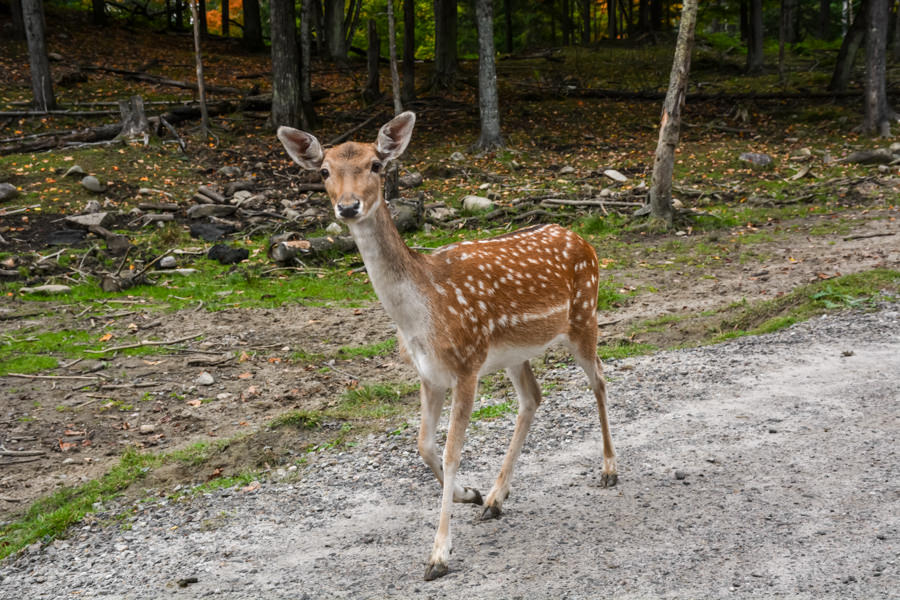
<point x="761" y="467"/>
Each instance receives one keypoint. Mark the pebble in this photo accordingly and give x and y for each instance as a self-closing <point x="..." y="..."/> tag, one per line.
<point x="167" y="262"/>
<point x="93" y="184"/>
<point x="204" y="378"/>
<point x="74" y="171"/>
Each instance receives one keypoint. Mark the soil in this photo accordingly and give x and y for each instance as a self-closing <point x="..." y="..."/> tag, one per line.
<point x="81" y="426"/>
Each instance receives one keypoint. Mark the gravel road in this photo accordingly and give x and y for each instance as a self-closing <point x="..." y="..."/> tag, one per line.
<point x="763" y="467"/>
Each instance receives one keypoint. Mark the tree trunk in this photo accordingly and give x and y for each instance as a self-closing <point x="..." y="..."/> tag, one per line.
<point x="200" y="16"/>
<point x="252" y="37"/>
<point x="566" y="24"/>
<point x="790" y="17"/>
<point x="755" y="38"/>
<point x="585" y="22"/>
<point x="508" y="33"/>
<point x="98" y="12"/>
<point x="664" y="161"/>
<point x="744" y="8"/>
<point x="285" y="74"/>
<point x="644" y="16"/>
<point x="843" y="67"/>
<point x="179" y="14"/>
<point x="488" y="104"/>
<point x="334" y="30"/>
<point x="878" y="115"/>
<point x="372" y="91"/>
<point x="18" y="21"/>
<point x="308" y="115"/>
<point x="198" y="59"/>
<point x="351" y="22"/>
<point x="611" y="19"/>
<point x="445" y="62"/>
<point x="409" y="50"/>
<point x="896" y="52"/>
<point x="656" y="15"/>
<point x="392" y="53"/>
<point x="226" y="18"/>
<point x="134" y="118"/>
<point x="41" y="81"/>
<point x="823" y="24"/>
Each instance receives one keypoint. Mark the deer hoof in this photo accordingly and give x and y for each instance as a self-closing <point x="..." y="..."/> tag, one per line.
<point x="477" y="496"/>
<point x="490" y="512"/>
<point x="435" y="571"/>
<point x="609" y="479"/>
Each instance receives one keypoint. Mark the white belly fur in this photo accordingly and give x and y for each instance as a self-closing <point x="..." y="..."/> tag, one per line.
<point x="503" y="357"/>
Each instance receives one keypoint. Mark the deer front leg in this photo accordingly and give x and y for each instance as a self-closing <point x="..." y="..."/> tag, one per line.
<point x="432" y="398"/>
<point x="529" y="393"/>
<point x="460" y="412"/>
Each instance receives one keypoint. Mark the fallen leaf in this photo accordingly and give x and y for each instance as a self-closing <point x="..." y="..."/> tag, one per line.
<point x="106" y="337"/>
<point x="245" y="375"/>
<point x="244" y="357"/>
<point x="66" y="446"/>
<point x="251" y="487"/>
<point x="73" y="432"/>
<point x="195" y="403"/>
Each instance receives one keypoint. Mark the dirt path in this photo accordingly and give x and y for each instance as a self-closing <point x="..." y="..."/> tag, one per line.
<point x="762" y="467"/>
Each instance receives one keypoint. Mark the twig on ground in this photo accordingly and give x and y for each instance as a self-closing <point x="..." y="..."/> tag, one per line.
<point x="145" y="343"/>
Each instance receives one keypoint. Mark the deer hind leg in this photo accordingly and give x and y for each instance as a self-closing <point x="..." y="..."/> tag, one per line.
<point x="460" y="412"/>
<point x="585" y="352"/>
<point x="529" y="394"/>
<point x="432" y="398"/>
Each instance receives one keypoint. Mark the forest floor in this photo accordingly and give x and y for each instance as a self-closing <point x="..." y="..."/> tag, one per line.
<point x="302" y="363"/>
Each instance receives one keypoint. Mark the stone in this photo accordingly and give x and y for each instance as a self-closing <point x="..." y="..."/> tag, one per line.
<point x="210" y="232"/>
<point x="410" y="180"/>
<point x="92" y="207"/>
<point x="568" y="170"/>
<point x="227" y="255"/>
<point x="199" y="211"/>
<point x="167" y="262"/>
<point x="457" y="157"/>
<point x="101" y="219"/>
<point x="49" y="289"/>
<point x="146" y="429"/>
<point x="74" y="171"/>
<point x="241" y="196"/>
<point x="7" y="192"/>
<point x="477" y="203"/>
<point x="757" y="159"/>
<point x="334" y="229"/>
<point x="229" y="171"/>
<point x="65" y="237"/>
<point x="615" y="175"/>
<point x="93" y="184"/>
<point x="894" y="148"/>
<point x="204" y="378"/>
<point x="441" y="213"/>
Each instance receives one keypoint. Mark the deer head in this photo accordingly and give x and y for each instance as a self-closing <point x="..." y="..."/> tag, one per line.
<point x="353" y="173"/>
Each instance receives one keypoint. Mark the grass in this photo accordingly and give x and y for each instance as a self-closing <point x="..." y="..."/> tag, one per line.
<point x="374" y="401"/>
<point x="301" y="419"/>
<point x="493" y="411"/>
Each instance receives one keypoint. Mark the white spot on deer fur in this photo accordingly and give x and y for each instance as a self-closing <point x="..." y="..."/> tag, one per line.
<point x="440" y="290"/>
<point x="586" y="304"/>
<point x="460" y="298"/>
<point x="514" y="320"/>
<point x="452" y="310"/>
<point x="502" y="320"/>
<point x="482" y="305"/>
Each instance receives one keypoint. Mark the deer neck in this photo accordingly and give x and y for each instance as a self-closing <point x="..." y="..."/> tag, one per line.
<point x="397" y="273"/>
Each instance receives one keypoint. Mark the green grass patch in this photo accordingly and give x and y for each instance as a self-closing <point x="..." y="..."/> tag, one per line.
<point x="368" y="351"/>
<point x="375" y="401"/>
<point x="493" y="411"/>
<point x="300" y="419"/>
<point x="619" y="348"/>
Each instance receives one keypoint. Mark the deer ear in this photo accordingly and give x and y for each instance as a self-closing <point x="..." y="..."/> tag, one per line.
<point x="394" y="136"/>
<point x="302" y="147"/>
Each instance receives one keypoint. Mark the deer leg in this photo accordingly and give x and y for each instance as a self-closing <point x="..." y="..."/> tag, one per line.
<point x="432" y="398"/>
<point x="593" y="368"/>
<point x="529" y="393"/>
<point x="460" y="412"/>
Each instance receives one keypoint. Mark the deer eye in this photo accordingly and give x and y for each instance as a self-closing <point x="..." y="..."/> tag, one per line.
<point x="324" y="173"/>
<point x="376" y="167"/>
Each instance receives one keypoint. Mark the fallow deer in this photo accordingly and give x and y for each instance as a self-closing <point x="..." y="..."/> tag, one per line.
<point x="465" y="310"/>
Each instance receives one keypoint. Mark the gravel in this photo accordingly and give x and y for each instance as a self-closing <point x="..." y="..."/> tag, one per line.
<point x="762" y="467"/>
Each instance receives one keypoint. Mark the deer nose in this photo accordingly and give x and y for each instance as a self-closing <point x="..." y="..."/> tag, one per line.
<point x="348" y="207"/>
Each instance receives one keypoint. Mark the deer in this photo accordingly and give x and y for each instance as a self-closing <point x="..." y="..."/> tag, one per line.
<point x="465" y="310"/>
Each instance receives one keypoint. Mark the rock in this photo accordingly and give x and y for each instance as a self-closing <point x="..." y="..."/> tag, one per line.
<point x="65" y="237"/>
<point x="869" y="157"/>
<point x="441" y="213"/>
<point x="477" y="203"/>
<point x="227" y="255"/>
<point x="894" y="148"/>
<point x="802" y="155"/>
<point x="291" y="214"/>
<point x="568" y="170"/>
<point x="101" y="219"/>
<point x="606" y="193"/>
<point x="200" y="211"/>
<point x="146" y="429"/>
<point x="46" y="289"/>
<point x="333" y="229"/>
<point x="7" y="192"/>
<point x="229" y="171"/>
<point x="410" y="180"/>
<point x="680" y="475"/>
<point x="615" y="175"/>
<point x="92" y="207"/>
<point x="74" y="171"/>
<point x="55" y="56"/>
<point x="756" y="159"/>
<point x="210" y="232"/>
<point x="457" y="157"/>
<point x="93" y="184"/>
<point x="204" y="378"/>
<point x="241" y="196"/>
<point x="167" y="262"/>
<point x="677" y="204"/>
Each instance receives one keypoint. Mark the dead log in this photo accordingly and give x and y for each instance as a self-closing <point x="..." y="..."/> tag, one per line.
<point x="156" y="79"/>
<point x="88" y="135"/>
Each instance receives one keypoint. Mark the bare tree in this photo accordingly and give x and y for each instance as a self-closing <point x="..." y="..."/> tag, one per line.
<point x="198" y="58"/>
<point x="285" y="74"/>
<point x="445" y="60"/>
<point x="18" y="21"/>
<point x="252" y="37"/>
<point x="226" y="18"/>
<point x="755" y="38"/>
<point x="853" y="39"/>
<point x="41" y="82"/>
<point x="392" y="51"/>
<point x="308" y="115"/>
<point x="664" y="161"/>
<point x="878" y="114"/>
<point x="488" y="104"/>
<point x="372" y="91"/>
<point x="409" y="50"/>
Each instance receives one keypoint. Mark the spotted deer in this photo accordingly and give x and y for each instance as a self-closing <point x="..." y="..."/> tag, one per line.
<point x="465" y="310"/>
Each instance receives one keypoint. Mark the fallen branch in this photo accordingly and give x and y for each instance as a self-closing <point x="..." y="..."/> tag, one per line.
<point x="868" y="235"/>
<point x="31" y="376"/>
<point x="144" y="343"/>
<point x="139" y="76"/>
